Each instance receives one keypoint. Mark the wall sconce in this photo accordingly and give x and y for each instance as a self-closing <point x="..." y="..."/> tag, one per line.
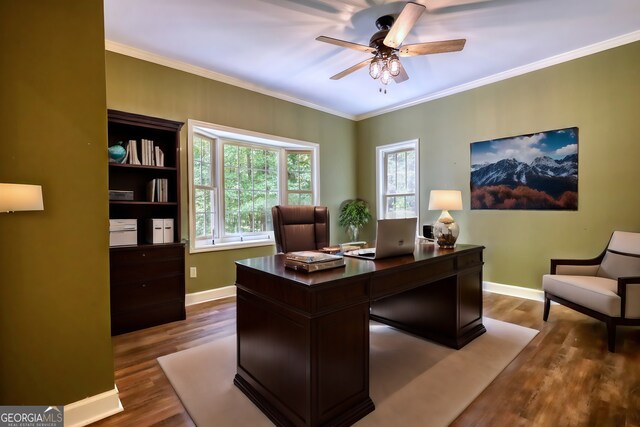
<point x="445" y="230"/>
<point x="20" y="197"/>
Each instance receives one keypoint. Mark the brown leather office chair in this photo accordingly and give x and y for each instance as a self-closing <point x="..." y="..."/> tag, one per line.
<point x="300" y="228"/>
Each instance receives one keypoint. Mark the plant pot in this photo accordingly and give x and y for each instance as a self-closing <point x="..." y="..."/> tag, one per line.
<point x="353" y="233"/>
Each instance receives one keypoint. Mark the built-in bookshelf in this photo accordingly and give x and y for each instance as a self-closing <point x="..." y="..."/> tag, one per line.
<point x="165" y="134"/>
<point x="147" y="279"/>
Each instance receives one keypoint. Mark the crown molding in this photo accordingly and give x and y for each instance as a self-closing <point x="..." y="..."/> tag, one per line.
<point x="206" y="73"/>
<point x="514" y="72"/>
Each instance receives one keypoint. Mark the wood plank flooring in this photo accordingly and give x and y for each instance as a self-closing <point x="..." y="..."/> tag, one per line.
<point x="564" y="377"/>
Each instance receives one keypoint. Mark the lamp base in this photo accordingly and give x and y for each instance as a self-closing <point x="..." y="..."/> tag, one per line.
<point x="446" y="233"/>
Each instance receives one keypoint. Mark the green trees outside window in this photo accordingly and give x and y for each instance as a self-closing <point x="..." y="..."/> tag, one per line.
<point x="299" y="179"/>
<point x="250" y="188"/>
<point x="235" y="184"/>
<point x="400" y="197"/>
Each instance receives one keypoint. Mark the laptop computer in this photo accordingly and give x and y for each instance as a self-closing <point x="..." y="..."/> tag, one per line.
<point x="394" y="237"/>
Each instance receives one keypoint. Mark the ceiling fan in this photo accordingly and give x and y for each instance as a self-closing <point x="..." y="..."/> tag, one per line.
<point x="387" y="48"/>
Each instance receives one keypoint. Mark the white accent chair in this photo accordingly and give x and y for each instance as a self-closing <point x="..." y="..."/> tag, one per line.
<point x="606" y="287"/>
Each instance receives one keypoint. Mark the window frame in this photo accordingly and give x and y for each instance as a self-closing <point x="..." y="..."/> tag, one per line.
<point x="220" y="134"/>
<point x="284" y="177"/>
<point x="193" y="187"/>
<point x="381" y="174"/>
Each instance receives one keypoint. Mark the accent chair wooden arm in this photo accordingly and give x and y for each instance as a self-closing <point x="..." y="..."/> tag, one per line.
<point x="622" y="291"/>
<point x="593" y="261"/>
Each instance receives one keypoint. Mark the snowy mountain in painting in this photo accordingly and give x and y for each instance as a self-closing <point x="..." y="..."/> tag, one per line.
<point x="543" y="174"/>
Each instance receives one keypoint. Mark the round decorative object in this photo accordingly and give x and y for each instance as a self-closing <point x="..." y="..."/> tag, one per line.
<point x="117" y="153"/>
<point x="446" y="234"/>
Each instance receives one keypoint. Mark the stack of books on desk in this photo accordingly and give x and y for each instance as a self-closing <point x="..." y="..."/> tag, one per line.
<point x="309" y="261"/>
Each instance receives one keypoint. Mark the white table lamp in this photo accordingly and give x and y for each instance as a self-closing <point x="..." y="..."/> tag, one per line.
<point x="445" y="230"/>
<point x="20" y="197"/>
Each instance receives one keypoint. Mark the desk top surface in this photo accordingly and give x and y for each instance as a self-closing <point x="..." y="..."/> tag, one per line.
<point x="424" y="253"/>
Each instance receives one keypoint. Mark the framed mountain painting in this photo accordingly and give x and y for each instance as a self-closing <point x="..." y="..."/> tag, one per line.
<point x="538" y="171"/>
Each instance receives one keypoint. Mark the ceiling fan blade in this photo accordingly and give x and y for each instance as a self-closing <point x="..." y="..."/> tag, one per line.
<point x="403" y="76"/>
<point x="351" y="69"/>
<point x="432" y="47"/>
<point x="403" y="24"/>
<point x="342" y="43"/>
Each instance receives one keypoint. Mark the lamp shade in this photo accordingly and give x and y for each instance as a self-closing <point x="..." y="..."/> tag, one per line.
<point x="20" y="197"/>
<point x="445" y="200"/>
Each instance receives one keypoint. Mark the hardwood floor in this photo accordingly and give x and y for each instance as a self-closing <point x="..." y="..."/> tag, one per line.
<point x="564" y="377"/>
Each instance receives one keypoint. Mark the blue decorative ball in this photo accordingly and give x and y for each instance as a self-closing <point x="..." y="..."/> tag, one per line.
<point x="117" y="153"/>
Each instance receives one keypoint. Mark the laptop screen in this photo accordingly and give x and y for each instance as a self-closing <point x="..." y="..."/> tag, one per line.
<point x="394" y="237"/>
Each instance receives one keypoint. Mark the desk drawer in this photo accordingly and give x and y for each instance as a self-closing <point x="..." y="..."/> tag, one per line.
<point x="469" y="260"/>
<point x="138" y="272"/>
<point x="139" y="255"/>
<point x="399" y="281"/>
<point x="152" y="315"/>
<point x="146" y="292"/>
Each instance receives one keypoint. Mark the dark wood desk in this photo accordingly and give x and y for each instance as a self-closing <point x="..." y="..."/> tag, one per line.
<point x="303" y="339"/>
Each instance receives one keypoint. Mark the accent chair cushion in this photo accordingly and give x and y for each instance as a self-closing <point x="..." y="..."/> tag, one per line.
<point x="625" y="242"/>
<point x="616" y="265"/>
<point x="596" y="293"/>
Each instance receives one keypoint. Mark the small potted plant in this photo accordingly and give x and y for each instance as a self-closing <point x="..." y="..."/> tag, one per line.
<point x="354" y="214"/>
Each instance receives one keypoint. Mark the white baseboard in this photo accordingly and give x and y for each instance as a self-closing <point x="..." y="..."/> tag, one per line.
<point x="513" y="291"/>
<point x="210" y="295"/>
<point x="92" y="409"/>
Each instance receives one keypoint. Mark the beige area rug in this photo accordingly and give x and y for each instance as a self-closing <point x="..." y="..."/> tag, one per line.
<point x="413" y="382"/>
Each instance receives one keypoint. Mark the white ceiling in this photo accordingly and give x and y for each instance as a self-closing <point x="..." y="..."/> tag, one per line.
<point x="270" y="46"/>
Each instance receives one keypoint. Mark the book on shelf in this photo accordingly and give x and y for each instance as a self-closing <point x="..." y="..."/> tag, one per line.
<point x="132" y="147"/>
<point x="313" y="266"/>
<point x="159" y="156"/>
<point x="311" y="257"/>
<point x="158" y="190"/>
<point x="147" y="152"/>
<point x="165" y="194"/>
<point x="151" y="190"/>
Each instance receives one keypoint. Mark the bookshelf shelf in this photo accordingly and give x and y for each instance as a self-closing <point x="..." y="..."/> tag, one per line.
<point x="147" y="280"/>
<point x="155" y="168"/>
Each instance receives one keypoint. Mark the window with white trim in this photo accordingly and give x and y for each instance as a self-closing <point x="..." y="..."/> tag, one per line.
<point x="236" y="177"/>
<point x="397" y="180"/>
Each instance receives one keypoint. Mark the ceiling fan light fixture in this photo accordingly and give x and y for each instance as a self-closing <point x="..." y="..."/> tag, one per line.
<point x="375" y="68"/>
<point x="394" y="65"/>
<point x="385" y="76"/>
<point x="387" y="46"/>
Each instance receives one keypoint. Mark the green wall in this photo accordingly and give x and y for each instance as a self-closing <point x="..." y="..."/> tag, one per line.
<point x="54" y="287"/>
<point x="600" y="94"/>
<point x="146" y="88"/>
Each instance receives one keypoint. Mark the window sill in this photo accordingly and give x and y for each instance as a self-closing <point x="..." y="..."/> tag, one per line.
<point x="231" y="245"/>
